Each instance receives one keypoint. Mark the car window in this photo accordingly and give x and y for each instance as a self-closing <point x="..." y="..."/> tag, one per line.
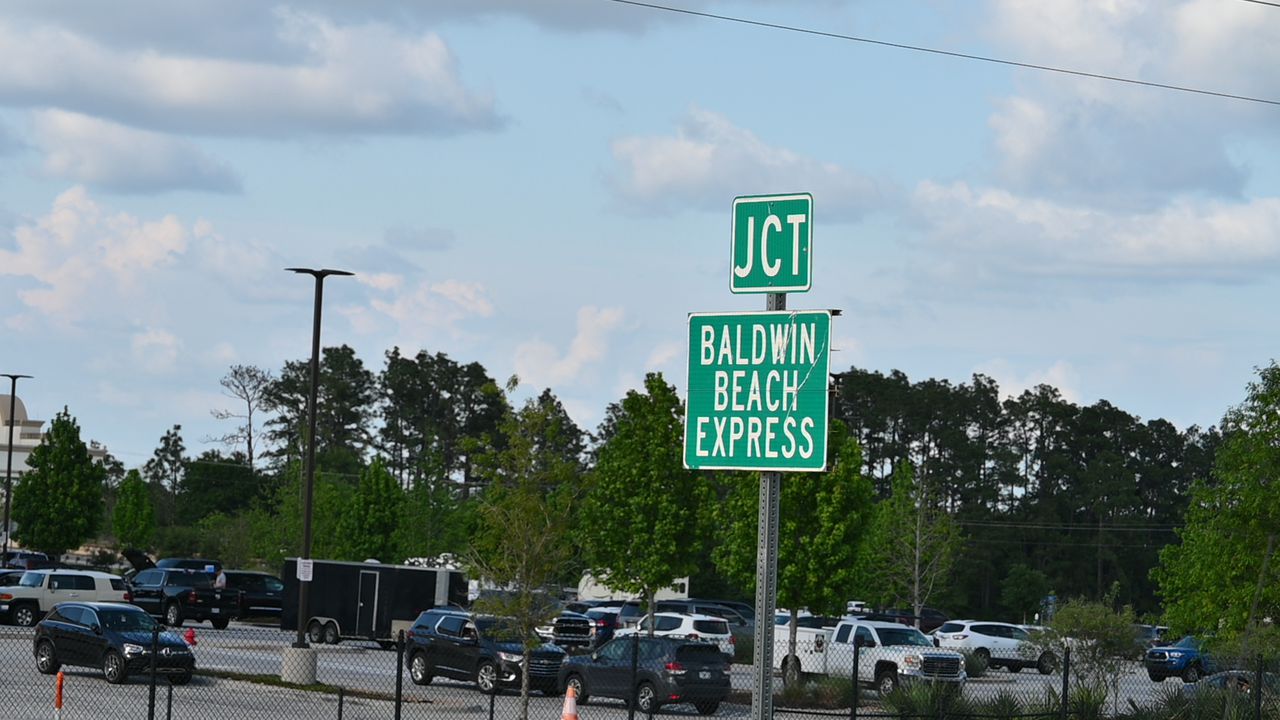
<point x="951" y="627"/>
<point x="272" y="584"/>
<point x="117" y="584"/>
<point x="89" y="618"/>
<point x="711" y="627"/>
<point x="32" y="580"/>
<point x="699" y="653"/>
<point x="126" y="620"/>
<point x="615" y="650"/>
<point x="904" y="636"/>
<point x="82" y="582"/>
<point x="842" y="635"/>
<point x="992" y="630"/>
<point x="65" y="582"/>
<point x="863" y="635"/>
<point x="147" y="577"/>
<point x="451" y="625"/>
<point x="73" y="615"/>
<point x="666" y="624"/>
<point x="1020" y="634"/>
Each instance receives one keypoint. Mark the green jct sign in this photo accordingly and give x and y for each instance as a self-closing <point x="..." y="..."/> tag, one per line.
<point x="772" y="249"/>
<point x="758" y="391"/>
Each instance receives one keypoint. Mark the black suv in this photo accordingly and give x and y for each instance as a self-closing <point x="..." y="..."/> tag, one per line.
<point x="112" y="636"/>
<point x="668" y="671"/>
<point x="260" y="593"/>
<point x="465" y="646"/>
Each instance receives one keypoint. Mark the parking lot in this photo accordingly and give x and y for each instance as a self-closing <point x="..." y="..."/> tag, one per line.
<point x="229" y="661"/>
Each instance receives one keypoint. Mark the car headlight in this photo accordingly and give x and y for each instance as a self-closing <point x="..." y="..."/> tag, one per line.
<point x="911" y="662"/>
<point x="510" y="657"/>
<point x="1175" y="654"/>
<point x="131" y="649"/>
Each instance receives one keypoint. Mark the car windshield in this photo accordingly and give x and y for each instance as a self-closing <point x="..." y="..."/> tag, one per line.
<point x="32" y="580"/>
<point x="126" y="620"/>
<point x="905" y="636"/>
<point x="501" y="630"/>
<point x="1186" y="642"/>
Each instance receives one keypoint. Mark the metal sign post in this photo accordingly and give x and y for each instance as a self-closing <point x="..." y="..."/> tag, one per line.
<point x="766" y="576"/>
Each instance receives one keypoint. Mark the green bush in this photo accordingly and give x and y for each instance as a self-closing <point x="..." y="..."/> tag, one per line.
<point x="975" y="665"/>
<point x="928" y="700"/>
<point x="744" y="650"/>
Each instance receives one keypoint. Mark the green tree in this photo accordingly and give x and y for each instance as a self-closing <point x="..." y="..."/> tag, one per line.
<point x="638" y="521"/>
<point x="216" y="483"/>
<point x="57" y="503"/>
<point x="522" y="542"/>
<point x="368" y="527"/>
<point x="134" y="519"/>
<point x="345" y="401"/>
<point x="1221" y="576"/>
<point x="823" y="520"/>
<point x="1024" y="591"/>
<point x="165" y="471"/>
<point x="914" y="543"/>
<point x="1103" y="643"/>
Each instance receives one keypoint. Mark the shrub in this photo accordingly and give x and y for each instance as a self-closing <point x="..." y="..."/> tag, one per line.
<point x="975" y="665"/>
<point x="927" y="700"/>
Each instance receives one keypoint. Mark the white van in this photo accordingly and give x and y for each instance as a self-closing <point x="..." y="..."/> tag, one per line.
<point x="39" y="590"/>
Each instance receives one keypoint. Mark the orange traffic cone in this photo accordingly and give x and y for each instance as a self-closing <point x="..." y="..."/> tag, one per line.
<point x="190" y="636"/>
<point x="570" y="711"/>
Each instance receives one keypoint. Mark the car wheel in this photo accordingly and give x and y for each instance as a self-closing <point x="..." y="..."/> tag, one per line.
<point x="1154" y="677"/>
<point x="113" y="668"/>
<point x="315" y="633"/>
<point x="487" y="677"/>
<point x="790" y="670"/>
<point x="419" y="671"/>
<point x="1014" y="667"/>
<point x="25" y="615"/>
<point x="579" y="688"/>
<point x="1191" y="674"/>
<point x="886" y="682"/>
<point x="220" y="623"/>
<point x="646" y="698"/>
<point x="46" y="659"/>
<point x="173" y="615"/>
<point x="181" y="678"/>
<point x="1047" y="663"/>
<point x="984" y="657"/>
<point x="707" y="707"/>
<point x="331" y="634"/>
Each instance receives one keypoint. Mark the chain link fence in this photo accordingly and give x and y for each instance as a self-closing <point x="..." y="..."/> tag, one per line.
<point x="237" y="676"/>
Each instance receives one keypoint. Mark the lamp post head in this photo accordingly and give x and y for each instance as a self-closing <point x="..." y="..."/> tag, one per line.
<point x="15" y="377"/>
<point x="318" y="273"/>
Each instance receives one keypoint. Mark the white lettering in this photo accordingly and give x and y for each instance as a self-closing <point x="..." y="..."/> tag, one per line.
<point x="736" y="390"/>
<point x="739" y="359"/>
<point x="806" y="425"/>
<point x="721" y="384"/>
<point x="753" y="395"/>
<point x="707" y="353"/>
<point x="737" y="429"/>
<point x="726" y="347"/>
<point x="718" y="450"/>
<point x="759" y="344"/>
<point x="770" y="268"/>
<point x="781" y="337"/>
<point x="795" y="221"/>
<point x="789" y="450"/>
<point x="754" y="428"/>
<point x="790" y="390"/>
<point x="808" y="339"/>
<point x="698" y="437"/>
<point x="770" y="434"/>
<point x="745" y="270"/>
<point x="770" y="402"/>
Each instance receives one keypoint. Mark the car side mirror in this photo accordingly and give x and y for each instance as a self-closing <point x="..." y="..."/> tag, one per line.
<point x="595" y="657"/>
<point x="96" y="628"/>
<point x="937" y="642"/>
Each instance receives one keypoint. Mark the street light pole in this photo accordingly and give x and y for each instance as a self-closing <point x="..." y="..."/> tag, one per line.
<point x="8" y="468"/>
<point x="309" y="484"/>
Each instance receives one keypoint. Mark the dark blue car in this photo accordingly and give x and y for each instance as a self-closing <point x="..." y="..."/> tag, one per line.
<point x="1185" y="659"/>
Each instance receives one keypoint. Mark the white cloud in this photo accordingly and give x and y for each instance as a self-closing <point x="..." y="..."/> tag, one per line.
<point x="539" y="364"/>
<point x="662" y="355"/>
<point x="709" y="161"/>
<point x="1013" y="383"/>
<point x="421" y="310"/>
<point x="155" y="351"/>
<point x="1003" y="234"/>
<point x="1115" y="145"/>
<point x="80" y="255"/>
<point x="362" y="79"/>
<point x="87" y="150"/>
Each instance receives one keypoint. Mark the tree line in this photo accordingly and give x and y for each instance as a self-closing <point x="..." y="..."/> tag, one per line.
<point x="938" y="494"/>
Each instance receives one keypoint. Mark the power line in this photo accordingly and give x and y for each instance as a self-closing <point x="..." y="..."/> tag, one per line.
<point x="1068" y="527"/>
<point x="1264" y="2"/>
<point x="947" y="53"/>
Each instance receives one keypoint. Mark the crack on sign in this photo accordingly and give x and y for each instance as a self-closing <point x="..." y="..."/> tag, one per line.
<point x="817" y="354"/>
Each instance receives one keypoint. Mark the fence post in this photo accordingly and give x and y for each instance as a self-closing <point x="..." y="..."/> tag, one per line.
<point x="635" y="667"/>
<point x="1066" y="682"/>
<point x="1257" y="691"/>
<point x="493" y="694"/>
<point x="151" y="693"/>
<point x="168" y="702"/>
<point x="342" y="699"/>
<point x="853" y="703"/>
<point x="399" y="672"/>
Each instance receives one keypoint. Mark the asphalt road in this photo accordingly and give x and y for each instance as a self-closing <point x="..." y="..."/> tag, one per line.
<point x="368" y="674"/>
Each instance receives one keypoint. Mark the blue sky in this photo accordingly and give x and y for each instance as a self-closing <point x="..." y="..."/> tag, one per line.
<point x="544" y="186"/>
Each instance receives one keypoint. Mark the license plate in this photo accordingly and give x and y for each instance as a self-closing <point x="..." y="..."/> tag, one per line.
<point x="705" y="675"/>
<point x="217" y="610"/>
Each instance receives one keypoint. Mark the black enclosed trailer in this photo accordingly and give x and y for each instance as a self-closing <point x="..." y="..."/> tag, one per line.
<point x="366" y="601"/>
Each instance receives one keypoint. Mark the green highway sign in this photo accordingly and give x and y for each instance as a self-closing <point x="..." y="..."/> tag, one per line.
<point x="772" y="247"/>
<point x="758" y="391"/>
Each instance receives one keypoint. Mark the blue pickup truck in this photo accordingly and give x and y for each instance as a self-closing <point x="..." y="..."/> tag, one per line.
<point x="1185" y="659"/>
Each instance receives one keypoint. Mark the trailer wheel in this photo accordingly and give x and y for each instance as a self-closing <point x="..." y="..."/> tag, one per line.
<point x="315" y="632"/>
<point x="331" y="636"/>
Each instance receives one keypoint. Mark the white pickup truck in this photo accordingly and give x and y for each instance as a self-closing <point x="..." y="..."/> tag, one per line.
<point x="888" y="654"/>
